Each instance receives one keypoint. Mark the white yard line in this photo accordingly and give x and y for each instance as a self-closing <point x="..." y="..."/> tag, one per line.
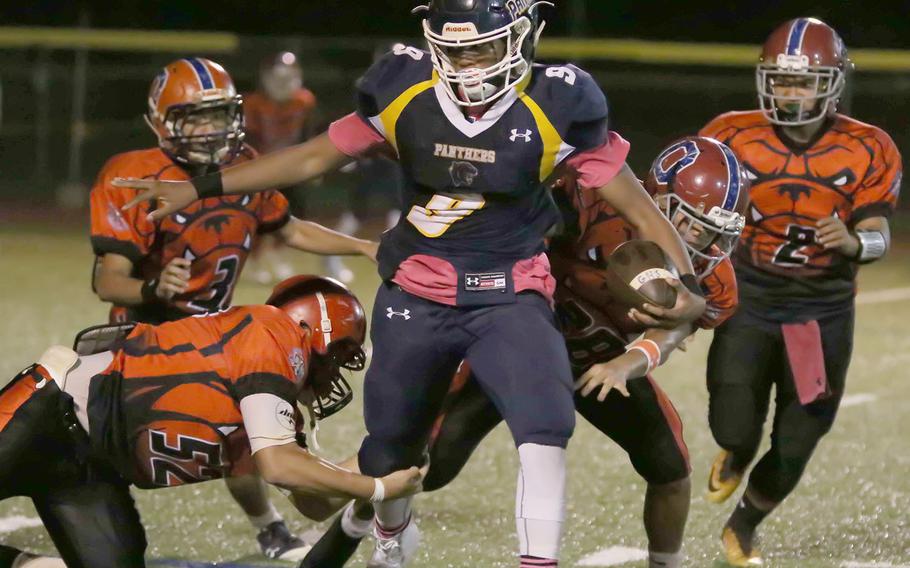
<point x="883" y="296"/>
<point x="857" y="399"/>
<point x="614" y="556"/>
<point x="872" y="565"/>
<point x="10" y="524"/>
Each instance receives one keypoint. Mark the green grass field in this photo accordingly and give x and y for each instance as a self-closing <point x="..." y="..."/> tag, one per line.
<point x="852" y="504"/>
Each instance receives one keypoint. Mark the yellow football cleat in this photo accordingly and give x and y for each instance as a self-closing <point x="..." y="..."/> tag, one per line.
<point x="737" y="554"/>
<point x="722" y="481"/>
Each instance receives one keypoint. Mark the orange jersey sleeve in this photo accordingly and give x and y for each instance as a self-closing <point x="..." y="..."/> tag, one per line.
<point x="721" y="295"/>
<point x="879" y="189"/>
<point x="113" y="230"/>
<point x="273" y="212"/>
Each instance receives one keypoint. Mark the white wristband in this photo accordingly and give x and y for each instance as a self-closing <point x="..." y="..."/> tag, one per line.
<point x="872" y="246"/>
<point x="378" y="491"/>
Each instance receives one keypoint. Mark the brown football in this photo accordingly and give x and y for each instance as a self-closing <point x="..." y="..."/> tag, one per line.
<point x="636" y="274"/>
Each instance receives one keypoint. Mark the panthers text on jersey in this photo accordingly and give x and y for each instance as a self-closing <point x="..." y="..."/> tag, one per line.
<point x="215" y="234"/>
<point x="474" y="189"/>
<point x="851" y="170"/>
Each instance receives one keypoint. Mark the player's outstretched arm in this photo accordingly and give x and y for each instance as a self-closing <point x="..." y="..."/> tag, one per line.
<point x="629" y="198"/>
<point x="291" y="166"/>
<point x="291" y="467"/>
<point x="638" y="361"/>
<point x="313" y="237"/>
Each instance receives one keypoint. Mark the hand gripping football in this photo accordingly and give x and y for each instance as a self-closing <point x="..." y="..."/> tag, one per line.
<point x="637" y="273"/>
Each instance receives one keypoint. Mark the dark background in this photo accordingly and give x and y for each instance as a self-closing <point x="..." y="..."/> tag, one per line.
<point x="651" y="104"/>
<point x="870" y="23"/>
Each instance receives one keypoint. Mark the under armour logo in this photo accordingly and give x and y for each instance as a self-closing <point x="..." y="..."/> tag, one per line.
<point x="526" y="135"/>
<point x="472" y="281"/>
<point x="405" y="314"/>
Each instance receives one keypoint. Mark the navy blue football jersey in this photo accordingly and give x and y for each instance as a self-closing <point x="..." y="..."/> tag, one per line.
<point x="474" y="191"/>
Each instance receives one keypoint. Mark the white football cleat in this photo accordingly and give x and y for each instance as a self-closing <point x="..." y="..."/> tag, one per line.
<point x="397" y="551"/>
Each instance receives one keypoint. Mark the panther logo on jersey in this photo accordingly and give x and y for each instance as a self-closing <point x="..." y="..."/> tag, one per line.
<point x="463" y="173"/>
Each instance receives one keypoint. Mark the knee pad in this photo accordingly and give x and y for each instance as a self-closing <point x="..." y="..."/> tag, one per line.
<point x="540" y="500"/>
<point x="382" y="457"/>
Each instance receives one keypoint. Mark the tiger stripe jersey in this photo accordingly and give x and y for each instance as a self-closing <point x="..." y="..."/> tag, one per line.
<point x="215" y="234"/>
<point x="851" y="170"/>
<point x="167" y="410"/>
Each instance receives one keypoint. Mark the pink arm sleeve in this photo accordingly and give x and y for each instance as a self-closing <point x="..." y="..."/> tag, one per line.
<point x="596" y="168"/>
<point x="353" y="137"/>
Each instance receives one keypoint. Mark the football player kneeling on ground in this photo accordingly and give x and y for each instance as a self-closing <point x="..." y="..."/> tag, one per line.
<point x="701" y="187"/>
<point x="187" y="401"/>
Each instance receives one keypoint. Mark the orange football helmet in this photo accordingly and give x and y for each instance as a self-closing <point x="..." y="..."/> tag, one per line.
<point x="339" y="326"/>
<point x="804" y="54"/>
<point x="196" y="113"/>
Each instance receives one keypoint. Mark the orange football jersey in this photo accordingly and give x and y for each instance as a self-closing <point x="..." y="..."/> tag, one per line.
<point x="851" y="171"/>
<point x="216" y="233"/>
<point x="166" y="411"/>
<point x="272" y="126"/>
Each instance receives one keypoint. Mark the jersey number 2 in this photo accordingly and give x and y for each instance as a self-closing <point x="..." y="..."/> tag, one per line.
<point x="789" y="253"/>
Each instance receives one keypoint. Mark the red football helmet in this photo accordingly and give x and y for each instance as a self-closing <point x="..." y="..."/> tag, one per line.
<point x="339" y="327"/>
<point x="801" y="72"/>
<point x="702" y="188"/>
<point x="196" y="112"/>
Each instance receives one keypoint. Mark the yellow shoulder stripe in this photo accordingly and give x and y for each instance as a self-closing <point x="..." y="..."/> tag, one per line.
<point x="552" y="142"/>
<point x="390" y="115"/>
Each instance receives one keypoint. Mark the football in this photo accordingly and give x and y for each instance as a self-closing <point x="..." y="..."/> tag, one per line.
<point x="637" y="273"/>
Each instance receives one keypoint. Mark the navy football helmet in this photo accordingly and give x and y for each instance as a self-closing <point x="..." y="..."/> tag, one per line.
<point x="509" y="29"/>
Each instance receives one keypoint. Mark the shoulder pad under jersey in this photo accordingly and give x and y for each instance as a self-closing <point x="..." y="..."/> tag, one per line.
<point x="396" y="72"/>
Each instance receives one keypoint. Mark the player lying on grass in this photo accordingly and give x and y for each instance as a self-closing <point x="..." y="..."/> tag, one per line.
<point x="701" y="187"/>
<point x="201" y="398"/>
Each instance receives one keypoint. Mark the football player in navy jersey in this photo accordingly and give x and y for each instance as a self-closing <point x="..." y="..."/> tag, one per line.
<point x="478" y="129"/>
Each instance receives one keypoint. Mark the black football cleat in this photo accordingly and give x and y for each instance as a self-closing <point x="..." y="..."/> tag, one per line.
<point x="277" y="543"/>
<point x="333" y="549"/>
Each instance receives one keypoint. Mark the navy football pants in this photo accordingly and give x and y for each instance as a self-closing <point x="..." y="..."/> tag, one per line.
<point x="517" y="354"/>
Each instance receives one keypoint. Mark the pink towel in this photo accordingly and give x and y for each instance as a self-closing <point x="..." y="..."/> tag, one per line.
<point x="807" y="361"/>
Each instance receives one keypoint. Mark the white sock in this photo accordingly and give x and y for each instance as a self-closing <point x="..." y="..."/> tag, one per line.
<point x="353" y="526"/>
<point x="28" y="561"/>
<point x="540" y="500"/>
<point x="267" y="518"/>
<point x="391" y="516"/>
<point x="665" y="559"/>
